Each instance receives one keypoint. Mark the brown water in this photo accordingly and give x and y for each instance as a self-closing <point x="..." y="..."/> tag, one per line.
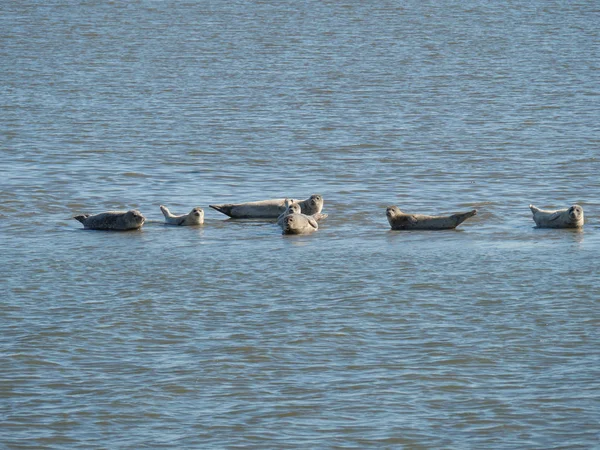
<point x="233" y="336"/>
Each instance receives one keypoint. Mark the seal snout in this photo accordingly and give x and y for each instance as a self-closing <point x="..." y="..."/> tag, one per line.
<point x="575" y="212"/>
<point x="287" y="222"/>
<point x="138" y="217"/>
<point x="315" y="200"/>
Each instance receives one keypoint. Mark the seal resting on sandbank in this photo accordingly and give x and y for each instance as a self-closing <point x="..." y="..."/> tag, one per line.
<point x="402" y="221"/>
<point x="294" y="208"/>
<point x="194" y="217"/>
<point x="562" y="218"/>
<point x="113" y="220"/>
<point x="269" y="209"/>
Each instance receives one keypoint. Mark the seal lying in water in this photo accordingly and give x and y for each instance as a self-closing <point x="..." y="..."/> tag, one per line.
<point x="298" y="224"/>
<point x="294" y="208"/>
<point x="269" y="209"/>
<point x="194" y="217"/>
<point x="402" y="221"/>
<point x="113" y="220"/>
<point x="563" y="218"/>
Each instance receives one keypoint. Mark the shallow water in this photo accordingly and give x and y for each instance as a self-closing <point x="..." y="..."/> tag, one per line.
<point x="230" y="335"/>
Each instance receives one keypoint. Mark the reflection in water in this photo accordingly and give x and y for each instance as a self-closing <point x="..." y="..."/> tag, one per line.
<point x="577" y="234"/>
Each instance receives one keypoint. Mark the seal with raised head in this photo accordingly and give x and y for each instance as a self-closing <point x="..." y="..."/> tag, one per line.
<point x="292" y="208"/>
<point x="269" y="209"/>
<point x="295" y="208"/>
<point x="402" y="221"/>
<point x="194" y="217"/>
<point x="312" y="205"/>
<point x="563" y="218"/>
<point x="298" y="224"/>
<point x="113" y="220"/>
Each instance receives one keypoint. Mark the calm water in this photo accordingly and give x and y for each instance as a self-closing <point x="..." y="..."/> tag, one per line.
<point x="233" y="336"/>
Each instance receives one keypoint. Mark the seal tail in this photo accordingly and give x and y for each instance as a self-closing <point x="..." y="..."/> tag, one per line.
<point x="225" y="209"/>
<point x="81" y="218"/>
<point x="460" y="218"/>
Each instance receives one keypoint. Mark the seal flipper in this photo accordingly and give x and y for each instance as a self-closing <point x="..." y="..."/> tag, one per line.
<point x="554" y="216"/>
<point x="225" y="209"/>
<point x="81" y="218"/>
<point x="534" y="209"/>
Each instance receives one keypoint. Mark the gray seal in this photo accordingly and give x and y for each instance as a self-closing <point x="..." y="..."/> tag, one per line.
<point x="402" y="221"/>
<point x="269" y="209"/>
<point x="292" y="208"/>
<point x="298" y="224"/>
<point x="113" y="220"/>
<point x="562" y="218"/>
<point x="194" y="217"/>
<point x="295" y="208"/>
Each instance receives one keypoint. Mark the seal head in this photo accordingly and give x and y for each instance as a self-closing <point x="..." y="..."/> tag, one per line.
<point x="298" y="224"/>
<point x="292" y="208"/>
<point x="575" y="213"/>
<point x="313" y="205"/>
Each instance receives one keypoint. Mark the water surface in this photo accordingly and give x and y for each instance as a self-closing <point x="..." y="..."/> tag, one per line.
<point x="230" y="335"/>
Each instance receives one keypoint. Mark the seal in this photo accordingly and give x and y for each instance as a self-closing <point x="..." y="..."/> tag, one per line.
<point x="113" y="220"/>
<point x="298" y="224"/>
<point x="292" y="208"/>
<point x="295" y="208"/>
<point x="269" y="209"/>
<point x="563" y="218"/>
<point x="312" y="205"/>
<point x="402" y="221"/>
<point x="194" y="217"/>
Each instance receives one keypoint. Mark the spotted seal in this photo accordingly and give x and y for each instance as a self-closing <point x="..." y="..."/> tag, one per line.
<point x="298" y="224"/>
<point x="295" y="208"/>
<point x="292" y="208"/>
<point x="194" y="217"/>
<point x="402" y="221"/>
<point x="113" y="220"/>
<point x="563" y="218"/>
<point x="269" y="209"/>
